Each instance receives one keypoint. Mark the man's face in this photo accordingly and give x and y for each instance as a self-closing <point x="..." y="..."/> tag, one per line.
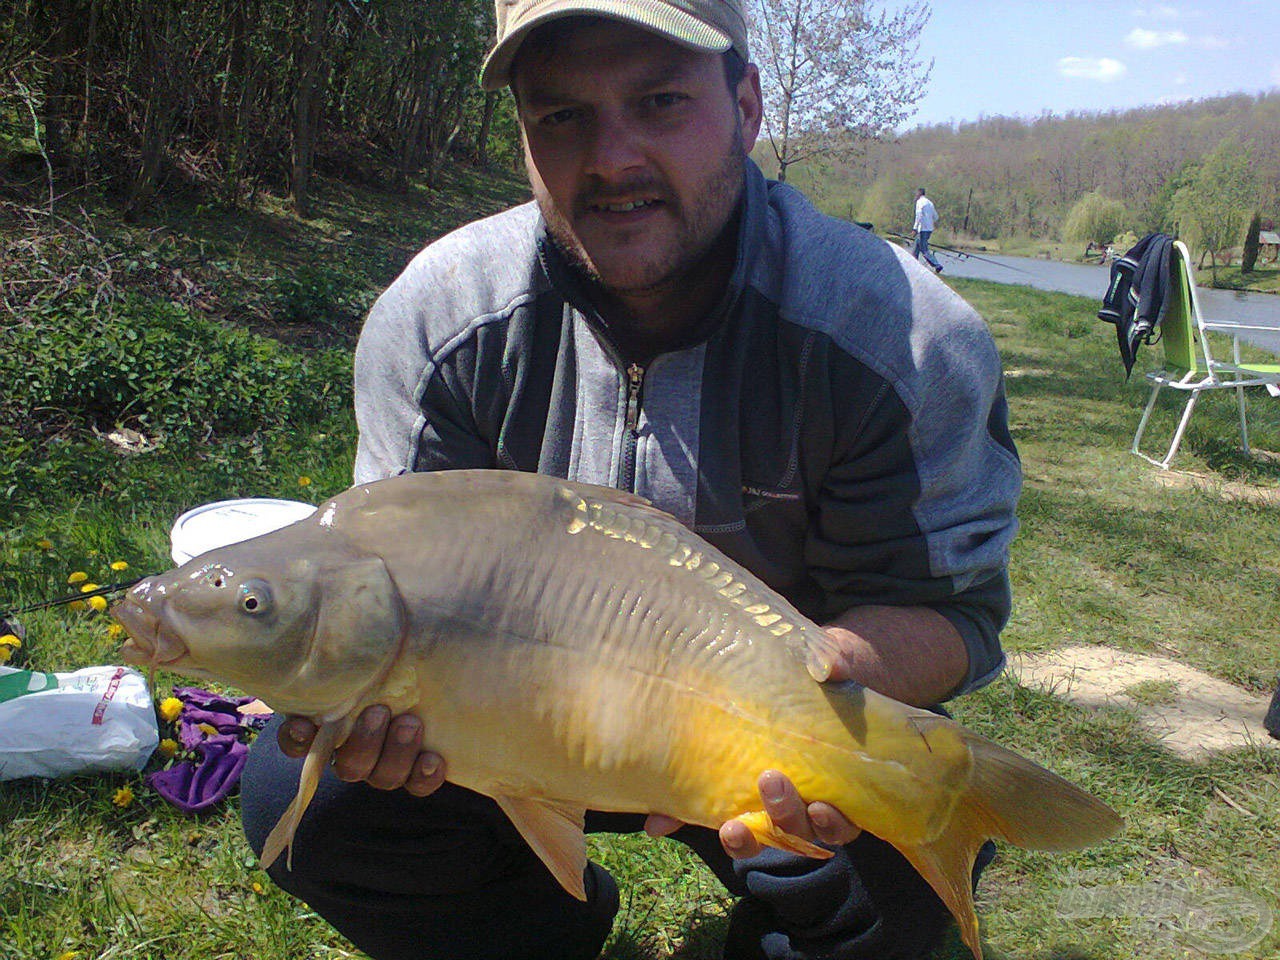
<point x="634" y="147"/>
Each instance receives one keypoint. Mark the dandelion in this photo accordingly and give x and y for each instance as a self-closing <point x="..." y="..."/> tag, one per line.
<point x="44" y="544"/>
<point x="123" y="798"/>
<point x="114" y="631"/>
<point x="69" y="955"/>
<point x="88" y="587"/>
<point x="304" y="481"/>
<point x="257" y="887"/>
<point x="78" y="577"/>
<point x="170" y="708"/>
<point x="98" y="603"/>
<point x="167" y="747"/>
<point x="8" y="644"/>
<point x="120" y="565"/>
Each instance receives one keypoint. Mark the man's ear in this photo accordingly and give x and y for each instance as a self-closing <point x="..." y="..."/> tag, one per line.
<point x="750" y="106"/>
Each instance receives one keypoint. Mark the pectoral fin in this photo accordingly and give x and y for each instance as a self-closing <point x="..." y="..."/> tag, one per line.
<point x="554" y="831"/>
<point x="767" y="833"/>
<point x="329" y="737"/>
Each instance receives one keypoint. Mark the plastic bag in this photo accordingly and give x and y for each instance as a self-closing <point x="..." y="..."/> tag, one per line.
<point x="90" y="721"/>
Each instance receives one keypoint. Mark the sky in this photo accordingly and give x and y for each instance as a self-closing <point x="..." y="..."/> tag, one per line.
<point x="1007" y="58"/>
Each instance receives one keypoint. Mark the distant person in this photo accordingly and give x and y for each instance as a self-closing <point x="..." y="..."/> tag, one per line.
<point x="926" y="219"/>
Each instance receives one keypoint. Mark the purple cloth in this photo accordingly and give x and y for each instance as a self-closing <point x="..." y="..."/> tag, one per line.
<point x="210" y="772"/>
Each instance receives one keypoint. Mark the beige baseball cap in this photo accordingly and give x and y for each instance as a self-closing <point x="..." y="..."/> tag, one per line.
<point x="711" y="25"/>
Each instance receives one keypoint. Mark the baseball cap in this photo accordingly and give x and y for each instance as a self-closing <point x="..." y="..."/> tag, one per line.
<point x="711" y="25"/>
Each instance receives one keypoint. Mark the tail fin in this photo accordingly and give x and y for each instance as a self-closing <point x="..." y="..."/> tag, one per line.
<point x="1013" y="799"/>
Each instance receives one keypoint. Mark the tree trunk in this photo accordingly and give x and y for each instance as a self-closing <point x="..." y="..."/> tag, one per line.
<point x="486" y="124"/>
<point x="306" y="106"/>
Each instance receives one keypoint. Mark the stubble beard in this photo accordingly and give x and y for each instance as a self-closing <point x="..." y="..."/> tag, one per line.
<point x="698" y="229"/>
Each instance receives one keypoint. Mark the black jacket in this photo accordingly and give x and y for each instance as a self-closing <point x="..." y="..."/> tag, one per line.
<point x="1136" y="297"/>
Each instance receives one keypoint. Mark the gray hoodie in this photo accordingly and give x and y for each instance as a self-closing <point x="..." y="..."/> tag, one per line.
<point x="841" y="430"/>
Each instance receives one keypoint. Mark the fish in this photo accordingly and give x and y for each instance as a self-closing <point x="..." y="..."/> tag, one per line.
<point x="571" y="647"/>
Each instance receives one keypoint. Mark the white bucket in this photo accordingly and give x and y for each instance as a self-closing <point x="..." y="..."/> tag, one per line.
<point x="230" y="521"/>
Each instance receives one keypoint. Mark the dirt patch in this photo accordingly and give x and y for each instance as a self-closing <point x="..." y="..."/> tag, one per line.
<point x="1229" y="490"/>
<point x="1189" y="712"/>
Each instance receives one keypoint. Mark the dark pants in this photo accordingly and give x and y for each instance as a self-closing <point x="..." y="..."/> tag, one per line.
<point x="922" y="248"/>
<point x="408" y="878"/>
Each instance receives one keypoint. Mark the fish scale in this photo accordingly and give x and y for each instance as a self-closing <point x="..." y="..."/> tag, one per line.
<point x="570" y="647"/>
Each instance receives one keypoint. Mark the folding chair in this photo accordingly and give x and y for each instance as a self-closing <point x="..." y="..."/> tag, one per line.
<point x="1189" y="363"/>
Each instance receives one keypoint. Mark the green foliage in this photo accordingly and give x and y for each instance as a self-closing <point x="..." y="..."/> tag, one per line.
<point x="1211" y="208"/>
<point x="320" y="294"/>
<point x="1252" y="238"/>
<point x="1095" y="219"/>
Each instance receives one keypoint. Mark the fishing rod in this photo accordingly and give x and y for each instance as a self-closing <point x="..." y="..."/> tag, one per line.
<point x="961" y="254"/>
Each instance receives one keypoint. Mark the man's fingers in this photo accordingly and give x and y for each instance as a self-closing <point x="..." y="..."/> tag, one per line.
<point x="738" y="842"/>
<point x="783" y="805"/>
<point x="394" y="765"/>
<point x="427" y="774"/>
<point x="356" y="758"/>
<point x="830" y="825"/>
<point x="660" y="825"/>
<point x="295" y="736"/>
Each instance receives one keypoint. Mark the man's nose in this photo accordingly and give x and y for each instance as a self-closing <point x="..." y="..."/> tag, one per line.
<point x="614" y="146"/>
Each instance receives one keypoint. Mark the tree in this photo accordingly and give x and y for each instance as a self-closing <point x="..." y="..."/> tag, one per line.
<point x="1252" y="241"/>
<point x="1095" y="219"/>
<point x="1211" y="208"/>
<point x="835" y="73"/>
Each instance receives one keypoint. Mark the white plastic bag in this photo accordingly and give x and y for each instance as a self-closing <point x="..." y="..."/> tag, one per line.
<point x="90" y="721"/>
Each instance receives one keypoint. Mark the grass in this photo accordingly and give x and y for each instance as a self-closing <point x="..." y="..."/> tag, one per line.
<point x="1105" y="555"/>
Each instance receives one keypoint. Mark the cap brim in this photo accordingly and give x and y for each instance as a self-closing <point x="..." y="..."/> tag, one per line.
<point x="662" y="19"/>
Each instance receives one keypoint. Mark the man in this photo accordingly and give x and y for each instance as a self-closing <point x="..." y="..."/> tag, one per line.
<point x="665" y="320"/>
<point x="922" y="228"/>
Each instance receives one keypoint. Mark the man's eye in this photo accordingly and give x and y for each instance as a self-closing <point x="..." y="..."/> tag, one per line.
<point x="559" y="117"/>
<point x="663" y="100"/>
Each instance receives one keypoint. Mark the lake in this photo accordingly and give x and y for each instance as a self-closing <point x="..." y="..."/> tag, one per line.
<point x="1090" y="280"/>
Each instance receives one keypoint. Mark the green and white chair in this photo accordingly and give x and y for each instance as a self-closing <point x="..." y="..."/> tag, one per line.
<point x="1189" y="361"/>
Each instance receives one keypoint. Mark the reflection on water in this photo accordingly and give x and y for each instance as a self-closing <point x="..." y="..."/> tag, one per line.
<point x="1090" y="280"/>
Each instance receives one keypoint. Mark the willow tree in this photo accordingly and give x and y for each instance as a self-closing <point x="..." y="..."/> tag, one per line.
<point x="835" y="73"/>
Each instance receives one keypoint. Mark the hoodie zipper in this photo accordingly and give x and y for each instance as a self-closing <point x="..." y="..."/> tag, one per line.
<point x="631" y="439"/>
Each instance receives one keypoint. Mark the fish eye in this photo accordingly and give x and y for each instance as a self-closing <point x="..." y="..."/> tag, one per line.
<point x="255" y="597"/>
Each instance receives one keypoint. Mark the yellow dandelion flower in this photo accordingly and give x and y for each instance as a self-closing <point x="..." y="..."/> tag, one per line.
<point x="119" y="565"/>
<point x="98" y="603"/>
<point x="257" y="887"/>
<point x="304" y="481"/>
<point x="9" y="640"/>
<point x="170" y="707"/>
<point x="5" y="654"/>
<point x="167" y="747"/>
<point x="88" y="587"/>
<point x="123" y="798"/>
<point x="78" y="577"/>
<point x="44" y="544"/>
<point x="114" y="631"/>
<point x="69" y="955"/>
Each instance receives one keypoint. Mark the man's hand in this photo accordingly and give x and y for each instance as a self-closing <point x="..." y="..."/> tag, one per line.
<point x="816" y="821"/>
<point x="383" y="751"/>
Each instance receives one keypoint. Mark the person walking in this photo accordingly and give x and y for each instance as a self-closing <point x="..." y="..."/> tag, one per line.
<point x="926" y="219"/>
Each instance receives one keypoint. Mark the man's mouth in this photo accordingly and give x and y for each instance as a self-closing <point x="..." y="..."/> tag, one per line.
<point x="626" y="206"/>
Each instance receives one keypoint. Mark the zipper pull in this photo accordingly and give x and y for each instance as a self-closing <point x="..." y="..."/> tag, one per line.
<point x="635" y="380"/>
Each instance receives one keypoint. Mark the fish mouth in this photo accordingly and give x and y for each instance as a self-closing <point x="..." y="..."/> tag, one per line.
<point x="148" y="643"/>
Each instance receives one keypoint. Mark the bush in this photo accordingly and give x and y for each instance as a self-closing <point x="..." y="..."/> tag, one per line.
<point x="1095" y="219"/>
<point x="157" y="366"/>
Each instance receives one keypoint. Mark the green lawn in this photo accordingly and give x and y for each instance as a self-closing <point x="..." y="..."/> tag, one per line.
<point x="1105" y="555"/>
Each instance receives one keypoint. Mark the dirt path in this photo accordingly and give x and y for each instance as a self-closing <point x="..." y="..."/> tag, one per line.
<point x="1188" y="711"/>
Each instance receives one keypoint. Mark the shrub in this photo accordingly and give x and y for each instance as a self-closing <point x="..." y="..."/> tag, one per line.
<point x="1095" y="219"/>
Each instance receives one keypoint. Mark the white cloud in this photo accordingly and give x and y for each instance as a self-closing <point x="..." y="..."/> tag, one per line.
<point x="1147" y="39"/>
<point x="1104" y="69"/>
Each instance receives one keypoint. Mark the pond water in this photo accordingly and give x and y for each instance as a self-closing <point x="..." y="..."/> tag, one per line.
<point x="1090" y="280"/>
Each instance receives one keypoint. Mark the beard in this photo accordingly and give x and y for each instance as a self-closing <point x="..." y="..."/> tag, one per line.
<point x="698" y="227"/>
